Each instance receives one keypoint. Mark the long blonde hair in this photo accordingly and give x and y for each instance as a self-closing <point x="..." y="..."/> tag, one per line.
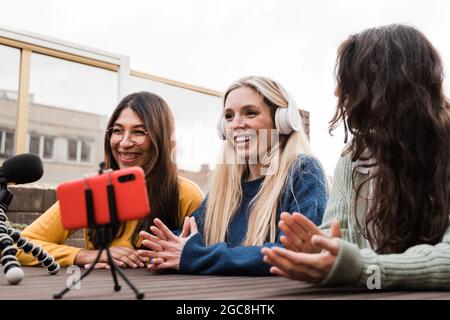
<point x="226" y="189"/>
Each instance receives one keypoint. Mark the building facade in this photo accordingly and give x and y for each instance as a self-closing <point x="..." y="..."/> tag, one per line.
<point x="56" y="98"/>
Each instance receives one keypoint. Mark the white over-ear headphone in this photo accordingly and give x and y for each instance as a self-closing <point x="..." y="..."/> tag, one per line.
<point x="286" y="119"/>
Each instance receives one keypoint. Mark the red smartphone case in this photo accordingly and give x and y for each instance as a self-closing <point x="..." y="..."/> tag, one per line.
<point x="130" y="192"/>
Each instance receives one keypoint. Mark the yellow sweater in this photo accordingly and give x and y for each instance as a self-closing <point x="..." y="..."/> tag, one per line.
<point x="49" y="232"/>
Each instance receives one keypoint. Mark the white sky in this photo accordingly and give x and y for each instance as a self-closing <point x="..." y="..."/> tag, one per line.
<point x="213" y="42"/>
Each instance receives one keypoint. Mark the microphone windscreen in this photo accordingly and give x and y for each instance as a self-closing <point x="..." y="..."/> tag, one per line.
<point x="23" y="168"/>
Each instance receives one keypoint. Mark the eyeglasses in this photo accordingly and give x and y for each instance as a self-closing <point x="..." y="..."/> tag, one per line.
<point x="135" y="136"/>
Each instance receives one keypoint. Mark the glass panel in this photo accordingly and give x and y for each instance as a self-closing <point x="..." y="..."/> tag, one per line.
<point x="6" y="143"/>
<point x="72" y="150"/>
<point x="34" y="144"/>
<point x="9" y="144"/>
<point x="48" y="147"/>
<point x="196" y="115"/>
<point x="85" y="152"/>
<point x="70" y="105"/>
<point x="9" y="84"/>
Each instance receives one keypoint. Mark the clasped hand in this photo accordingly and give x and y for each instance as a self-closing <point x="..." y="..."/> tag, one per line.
<point x="309" y="253"/>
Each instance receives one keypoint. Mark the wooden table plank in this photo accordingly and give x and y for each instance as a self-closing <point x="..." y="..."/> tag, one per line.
<point x="37" y="284"/>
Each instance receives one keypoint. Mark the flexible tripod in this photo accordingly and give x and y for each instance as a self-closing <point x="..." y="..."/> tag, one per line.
<point x="10" y="236"/>
<point x="103" y="237"/>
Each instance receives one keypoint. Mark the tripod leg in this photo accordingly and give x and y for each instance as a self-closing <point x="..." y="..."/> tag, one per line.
<point x="67" y="288"/>
<point x="11" y="266"/>
<point x="114" y="267"/>
<point x="46" y="260"/>
<point x="139" y="295"/>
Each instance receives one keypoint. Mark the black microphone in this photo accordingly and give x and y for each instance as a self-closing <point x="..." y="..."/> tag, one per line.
<point x="23" y="168"/>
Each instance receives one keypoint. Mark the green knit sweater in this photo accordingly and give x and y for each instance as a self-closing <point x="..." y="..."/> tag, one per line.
<point x="419" y="267"/>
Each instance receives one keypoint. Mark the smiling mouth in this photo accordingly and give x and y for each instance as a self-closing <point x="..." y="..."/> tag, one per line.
<point x="243" y="140"/>
<point x="128" y="157"/>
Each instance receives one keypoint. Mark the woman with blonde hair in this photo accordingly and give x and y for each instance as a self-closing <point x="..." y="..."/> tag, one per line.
<point x="266" y="168"/>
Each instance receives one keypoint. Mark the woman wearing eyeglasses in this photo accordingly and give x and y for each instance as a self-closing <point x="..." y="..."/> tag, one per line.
<point x="139" y="134"/>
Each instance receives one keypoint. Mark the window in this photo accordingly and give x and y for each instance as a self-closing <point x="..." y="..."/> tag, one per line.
<point x="41" y="145"/>
<point x="80" y="151"/>
<point x="9" y="85"/>
<point x="71" y="103"/>
<point x="195" y="115"/>
<point x="6" y="143"/>
<point x="72" y="150"/>
<point x="9" y="143"/>
<point x="34" y="144"/>
<point x="85" y="152"/>
<point x="48" y="148"/>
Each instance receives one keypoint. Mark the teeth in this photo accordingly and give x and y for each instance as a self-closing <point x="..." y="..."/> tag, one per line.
<point x="242" y="138"/>
<point x="129" y="156"/>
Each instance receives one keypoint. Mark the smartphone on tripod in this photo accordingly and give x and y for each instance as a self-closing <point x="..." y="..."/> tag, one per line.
<point x="100" y="202"/>
<point x="130" y="191"/>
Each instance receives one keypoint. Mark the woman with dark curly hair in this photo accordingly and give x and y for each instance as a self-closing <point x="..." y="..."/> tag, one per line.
<point x="387" y="221"/>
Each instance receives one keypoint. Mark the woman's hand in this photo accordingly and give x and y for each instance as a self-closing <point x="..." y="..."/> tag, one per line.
<point x="298" y="231"/>
<point x="165" y="247"/>
<point x="122" y="256"/>
<point x="311" y="267"/>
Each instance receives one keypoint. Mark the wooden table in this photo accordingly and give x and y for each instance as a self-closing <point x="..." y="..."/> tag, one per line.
<point x="37" y="284"/>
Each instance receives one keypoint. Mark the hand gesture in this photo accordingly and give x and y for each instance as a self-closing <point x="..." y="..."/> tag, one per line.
<point x="165" y="247"/>
<point x="298" y="231"/>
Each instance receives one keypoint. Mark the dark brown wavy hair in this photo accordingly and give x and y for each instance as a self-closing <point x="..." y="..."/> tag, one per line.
<point x="161" y="172"/>
<point x="390" y="98"/>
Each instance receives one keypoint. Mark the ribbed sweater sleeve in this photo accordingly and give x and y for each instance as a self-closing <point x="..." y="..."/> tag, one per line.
<point x="338" y="207"/>
<point x="419" y="267"/>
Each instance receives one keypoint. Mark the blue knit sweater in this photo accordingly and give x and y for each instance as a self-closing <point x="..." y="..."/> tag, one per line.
<point x="305" y="192"/>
